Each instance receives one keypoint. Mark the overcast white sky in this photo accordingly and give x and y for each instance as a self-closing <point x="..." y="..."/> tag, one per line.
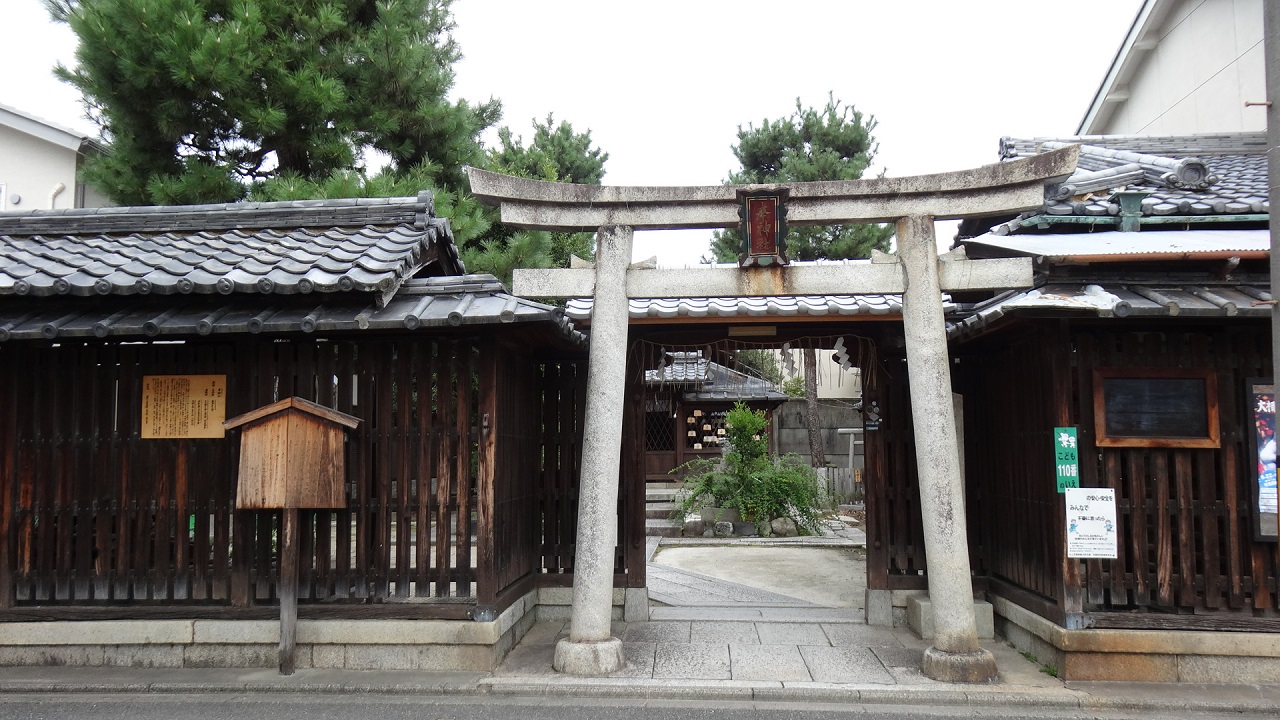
<point x="663" y="85"/>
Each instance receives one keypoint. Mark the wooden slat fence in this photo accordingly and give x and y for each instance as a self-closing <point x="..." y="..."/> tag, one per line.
<point x="1184" y="514"/>
<point x="95" y="515"/>
<point x="895" y="552"/>
<point x="1009" y="421"/>
<point x="1186" y="535"/>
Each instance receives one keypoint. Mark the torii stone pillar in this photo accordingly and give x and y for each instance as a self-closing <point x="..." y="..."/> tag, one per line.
<point x="916" y="273"/>
<point x="955" y="655"/>
<point x="590" y="649"/>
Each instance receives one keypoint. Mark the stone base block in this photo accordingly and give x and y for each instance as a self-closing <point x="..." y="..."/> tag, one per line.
<point x="1121" y="667"/>
<point x="972" y="667"/>
<point x="588" y="659"/>
<point x="878" y="607"/>
<point x="920" y="617"/>
<point x="636" y="605"/>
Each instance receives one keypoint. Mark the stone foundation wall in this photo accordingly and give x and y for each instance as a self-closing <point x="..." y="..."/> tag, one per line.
<point x="1141" y="655"/>
<point x="338" y="644"/>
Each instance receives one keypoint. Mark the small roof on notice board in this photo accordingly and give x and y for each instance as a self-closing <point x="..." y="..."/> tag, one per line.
<point x="293" y="403"/>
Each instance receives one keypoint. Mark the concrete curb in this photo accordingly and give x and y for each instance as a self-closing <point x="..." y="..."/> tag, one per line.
<point x="1134" y="697"/>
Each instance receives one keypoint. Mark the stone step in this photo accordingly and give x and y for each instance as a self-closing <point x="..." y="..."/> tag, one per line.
<point x="659" y="510"/>
<point x="664" y="485"/>
<point x="661" y="528"/>
<point x="660" y="495"/>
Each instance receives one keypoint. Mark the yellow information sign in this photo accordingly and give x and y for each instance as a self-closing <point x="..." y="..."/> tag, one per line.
<point x="183" y="406"/>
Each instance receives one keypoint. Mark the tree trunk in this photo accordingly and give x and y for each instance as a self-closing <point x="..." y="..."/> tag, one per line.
<point x="817" y="456"/>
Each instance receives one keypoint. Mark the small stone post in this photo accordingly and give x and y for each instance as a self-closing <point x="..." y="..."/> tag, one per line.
<point x="955" y="655"/>
<point x="590" y="649"/>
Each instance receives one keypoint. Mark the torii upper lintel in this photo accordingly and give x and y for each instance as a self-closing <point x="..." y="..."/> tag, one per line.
<point x="990" y="189"/>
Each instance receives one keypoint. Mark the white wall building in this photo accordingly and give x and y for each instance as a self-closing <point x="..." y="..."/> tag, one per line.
<point x="39" y="162"/>
<point x="1186" y="67"/>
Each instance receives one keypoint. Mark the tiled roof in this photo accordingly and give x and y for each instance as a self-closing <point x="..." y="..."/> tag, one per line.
<point x="679" y="367"/>
<point x="299" y="247"/>
<point x="1121" y="299"/>
<point x="1202" y="175"/>
<point x="813" y="305"/>
<point x="421" y="303"/>
<point x="709" y="380"/>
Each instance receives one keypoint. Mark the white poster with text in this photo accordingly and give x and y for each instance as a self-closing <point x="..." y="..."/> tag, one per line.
<point x="1091" y="523"/>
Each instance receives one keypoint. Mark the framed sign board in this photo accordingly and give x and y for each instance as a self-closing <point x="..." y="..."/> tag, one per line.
<point x="1155" y="407"/>
<point x="183" y="406"/>
<point x="1260" y="402"/>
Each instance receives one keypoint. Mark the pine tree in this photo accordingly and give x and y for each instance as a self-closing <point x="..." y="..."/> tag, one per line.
<point x="199" y="99"/>
<point x="557" y="154"/>
<point x="834" y="143"/>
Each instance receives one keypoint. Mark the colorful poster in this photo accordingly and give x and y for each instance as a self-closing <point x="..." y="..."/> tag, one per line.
<point x="1066" y="457"/>
<point x="1091" y="523"/>
<point x="1262" y="417"/>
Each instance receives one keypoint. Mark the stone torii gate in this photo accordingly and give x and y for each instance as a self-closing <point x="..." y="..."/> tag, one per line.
<point x="912" y="203"/>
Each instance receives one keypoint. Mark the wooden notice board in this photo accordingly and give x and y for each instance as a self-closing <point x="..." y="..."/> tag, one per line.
<point x="183" y="406"/>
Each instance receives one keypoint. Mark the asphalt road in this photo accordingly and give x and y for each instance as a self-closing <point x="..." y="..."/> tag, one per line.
<point x="275" y="706"/>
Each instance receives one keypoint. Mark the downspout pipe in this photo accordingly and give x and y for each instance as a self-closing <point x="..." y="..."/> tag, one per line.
<point x="54" y="193"/>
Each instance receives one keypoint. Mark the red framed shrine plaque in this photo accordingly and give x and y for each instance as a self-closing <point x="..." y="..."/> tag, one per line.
<point x="764" y="228"/>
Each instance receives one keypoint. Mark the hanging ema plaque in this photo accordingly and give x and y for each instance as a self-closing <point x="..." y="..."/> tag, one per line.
<point x="183" y="406"/>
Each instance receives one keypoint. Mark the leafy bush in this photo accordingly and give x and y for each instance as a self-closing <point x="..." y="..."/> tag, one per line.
<point x="761" y="488"/>
<point x="788" y="488"/>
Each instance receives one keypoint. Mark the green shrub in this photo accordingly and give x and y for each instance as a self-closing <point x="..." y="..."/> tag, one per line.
<point x="747" y="479"/>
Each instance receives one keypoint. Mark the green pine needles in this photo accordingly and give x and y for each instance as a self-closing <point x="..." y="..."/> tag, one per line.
<point x="198" y="100"/>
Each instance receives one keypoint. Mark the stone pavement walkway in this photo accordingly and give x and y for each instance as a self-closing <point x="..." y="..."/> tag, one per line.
<point x="735" y="651"/>
<point x="765" y="650"/>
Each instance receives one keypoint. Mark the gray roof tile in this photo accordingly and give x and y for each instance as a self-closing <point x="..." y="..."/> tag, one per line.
<point x="811" y="305"/>
<point x="245" y="247"/>
<point x="1231" y="168"/>
<point x="458" y="300"/>
<point x="1115" y="299"/>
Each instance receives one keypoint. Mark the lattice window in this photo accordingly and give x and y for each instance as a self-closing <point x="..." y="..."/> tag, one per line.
<point x="659" y="431"/>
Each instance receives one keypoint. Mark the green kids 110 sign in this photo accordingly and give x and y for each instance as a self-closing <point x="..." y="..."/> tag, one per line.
<point x="1066" y="458"/>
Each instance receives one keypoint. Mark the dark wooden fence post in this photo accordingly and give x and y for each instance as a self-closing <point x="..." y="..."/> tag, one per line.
<point x="632" y="492"/>
<point x="1071" y="596"/>
<point x="287" y="589"/>
<point x="486" y="580"/>
<point x="8" y="499"/>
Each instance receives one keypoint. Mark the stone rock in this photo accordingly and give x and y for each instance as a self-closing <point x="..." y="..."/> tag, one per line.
<point x="745" y="529"/>
<point x="693" y="528"/>
<point x="709" y="533"/>
<point x="723" y="529"/>
<point x="783" y="527"/>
